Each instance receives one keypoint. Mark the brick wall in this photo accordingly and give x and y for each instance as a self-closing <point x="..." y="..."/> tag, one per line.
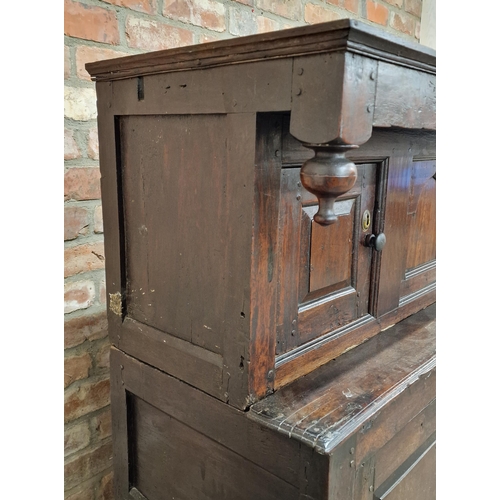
<point x="102" y="29"/>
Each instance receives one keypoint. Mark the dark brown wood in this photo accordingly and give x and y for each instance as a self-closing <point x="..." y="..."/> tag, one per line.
<point x="261" y="350"/>
<point x="324" y="37"/>
<point x="346" y="395"/>
<point x="414" y="435"/>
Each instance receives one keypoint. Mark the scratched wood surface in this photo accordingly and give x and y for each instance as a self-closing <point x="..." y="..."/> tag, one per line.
<point x="319" y="407"/>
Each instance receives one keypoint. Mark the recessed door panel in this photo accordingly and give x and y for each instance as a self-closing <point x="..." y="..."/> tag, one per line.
<point x="325" y="270"/>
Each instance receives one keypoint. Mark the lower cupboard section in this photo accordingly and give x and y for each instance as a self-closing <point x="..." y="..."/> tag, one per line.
<point x="174" y="442"/>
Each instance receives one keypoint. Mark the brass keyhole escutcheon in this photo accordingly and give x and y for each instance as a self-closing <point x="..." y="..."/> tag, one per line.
<point x="367" y="220"/>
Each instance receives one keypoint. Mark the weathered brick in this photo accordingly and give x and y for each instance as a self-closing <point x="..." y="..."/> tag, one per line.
<point x="316" y="14"/>
<point x="265" y="25"/>
<point x="245" y="2"/>
<point x="84" y="466"/>
<point x="83" y="258"/>
<point x="100" y="424"/>
<point x="417" y="30"/>
<point x="396" y="3"/>
<point x="85" y="54"/>
<point x="76" y="437"/>
<point x="208" y="38"/>
<point x="206" y="13"/>
<point x="78" y="295"/>
<point x="102" y="291"/>
<point x="291" y="9"/>
<point x="105" y="489"/>
<point x="82" y="183"/>
<point x="152" y="35"/>
<point x="146" y="6"/>
<point x="414" y="7"/>
<point x="242" y="22"/>
<point x="98" y="226"/>
<point x="76" y="367"/>
<point x="102" y="359"/>
<point x="335" y="2"/>
<point x="403" y="22"/>
<point x="93" y="144"/>
<point x="352" y="5"/>
<point x="71" y="150"/>
<point x="90" y="23"/>
<point x="376" y="12"/>
<point x="80" y="103"/>
<point x="75" y="222"/>
<point x="90" y="327"/>
<point x="67" y="62"/>
<point x="85" y="398"/>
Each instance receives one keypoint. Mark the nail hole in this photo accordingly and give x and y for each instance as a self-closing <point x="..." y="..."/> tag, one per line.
<point x="140" y="88"/>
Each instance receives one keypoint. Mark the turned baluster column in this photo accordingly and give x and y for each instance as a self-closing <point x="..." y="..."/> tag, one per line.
<point x="333" y="100"/>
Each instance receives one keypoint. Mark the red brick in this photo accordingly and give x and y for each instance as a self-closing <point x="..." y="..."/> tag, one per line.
<point x="71" y="150"/>
<point x="146" y="6"/>
<point x="87" y="465"/>
<point x="352" y="5"/>
<point x="76" y="367"/>
<point x="83" y="258"/>
<point x="207" y="13"/>
<point x="403" y="22"/>
<point x="152" y="35"/>
<point x="90" y="327"/>
<point x="414" y="7"/>
<point x="100" y="425"/>
<point x="90" y="23"/>
<point x="67" y="63"/>
<point x="376" y="12"/>
<point x="98" y="227"/>
<point x="75" y="222"/>
<point x="78" y="295"/>
<point x="85" y="398"/>
<point x="334" y="2"/>
<point x="265" y="25"/>
<point x="291" y="9"/>
<point x="105" y="490"/>
<point x="82" y="183"/>
<point x="242" y="22"/>
<point x="93" y="144"/>
<point x="316" y="14"/>
<point x="85" y="54"/>
<point x="76" y="438"/>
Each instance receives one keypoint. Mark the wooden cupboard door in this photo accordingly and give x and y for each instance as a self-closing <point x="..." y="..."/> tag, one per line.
<point x="420" y="266"/>
<point x="324" y="270"/>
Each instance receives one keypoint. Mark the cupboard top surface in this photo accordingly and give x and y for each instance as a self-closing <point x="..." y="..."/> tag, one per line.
<point x="343" y="35"/>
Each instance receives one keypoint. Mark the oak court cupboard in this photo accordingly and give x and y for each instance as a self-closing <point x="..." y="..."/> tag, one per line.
<point x="269" y="217"/>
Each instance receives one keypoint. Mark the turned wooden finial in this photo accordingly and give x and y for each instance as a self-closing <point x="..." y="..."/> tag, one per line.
<point x="328" y="175"/>
<point x="333" y="102"/>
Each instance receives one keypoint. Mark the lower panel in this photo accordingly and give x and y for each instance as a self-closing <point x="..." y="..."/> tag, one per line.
<point x="172" y="461"/>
